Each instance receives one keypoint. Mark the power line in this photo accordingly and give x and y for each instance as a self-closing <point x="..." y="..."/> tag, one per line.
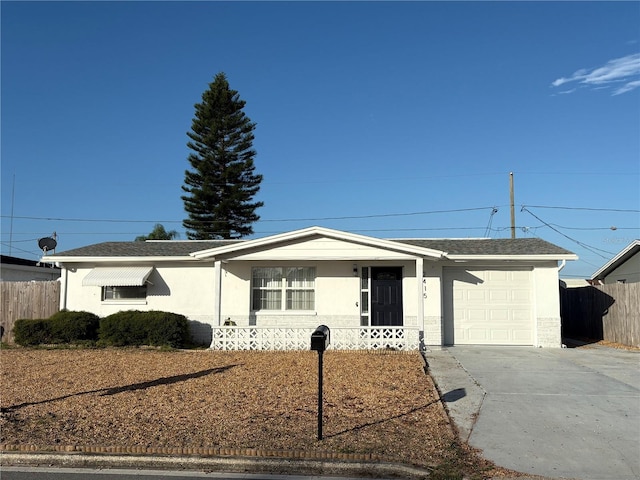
<point x="20" y="249"/>
<point x="488" y="229"/>
<point x="352" y="217"/>
<point x="385" y="215"/>
<point x="60" y="219"/>
<point x="583" y="245"/>
<point x="594" y="228"/>
<point x="585" y="209"/>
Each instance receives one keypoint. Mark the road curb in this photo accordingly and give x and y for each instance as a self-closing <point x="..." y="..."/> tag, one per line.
<point x="272" y="465"/>
<point x="195" y="451"/>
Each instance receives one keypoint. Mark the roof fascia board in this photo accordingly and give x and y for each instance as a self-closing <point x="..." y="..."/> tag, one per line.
<point x="461" y="258"/>
<point x="325" y="232"/>
<point x="615" y="262"/>
<point x="120" y="259"/>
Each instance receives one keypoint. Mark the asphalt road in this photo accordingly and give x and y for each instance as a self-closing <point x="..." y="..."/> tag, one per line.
<point x="39" y="473"/>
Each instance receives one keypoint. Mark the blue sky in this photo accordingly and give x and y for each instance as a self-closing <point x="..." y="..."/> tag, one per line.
<point x="391" y="119"/>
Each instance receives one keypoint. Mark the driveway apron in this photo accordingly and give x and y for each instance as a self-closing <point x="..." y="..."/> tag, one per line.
<point x="571" y="413"/>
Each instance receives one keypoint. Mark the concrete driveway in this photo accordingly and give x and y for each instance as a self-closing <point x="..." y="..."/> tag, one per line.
<point x="570" y="413"/>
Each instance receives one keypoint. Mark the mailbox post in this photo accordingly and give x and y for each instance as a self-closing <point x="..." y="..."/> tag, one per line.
<point x="320" y="340"/>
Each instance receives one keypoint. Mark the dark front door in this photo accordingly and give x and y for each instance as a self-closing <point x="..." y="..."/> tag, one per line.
<point x="386" y="296"/>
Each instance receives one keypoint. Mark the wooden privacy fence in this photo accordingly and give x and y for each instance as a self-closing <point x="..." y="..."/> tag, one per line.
<point x="606" y="312"/>
<point x="27" y="300"/>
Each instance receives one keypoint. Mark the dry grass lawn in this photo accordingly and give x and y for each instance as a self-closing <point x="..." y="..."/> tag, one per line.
<point x="382" y="404"/>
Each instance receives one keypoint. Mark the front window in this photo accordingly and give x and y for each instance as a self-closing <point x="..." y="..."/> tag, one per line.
<point x="124" y="293"/>
<point x="283" y="288"/>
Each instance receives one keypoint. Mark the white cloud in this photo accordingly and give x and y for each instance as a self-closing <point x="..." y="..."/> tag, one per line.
<point x="624" y="69"/>
<point x="560" y="81"/>
<point x="628" y="87"/>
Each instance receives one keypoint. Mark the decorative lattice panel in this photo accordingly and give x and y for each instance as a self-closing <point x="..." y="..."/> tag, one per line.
<point x="342" y="338"/>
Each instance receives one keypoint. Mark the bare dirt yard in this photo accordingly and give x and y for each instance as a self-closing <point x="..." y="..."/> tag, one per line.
<point x="381" y="405"/>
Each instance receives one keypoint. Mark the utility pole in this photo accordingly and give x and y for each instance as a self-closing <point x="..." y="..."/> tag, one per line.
<point x="513" y="209"/>
<point x="13" y="196"/>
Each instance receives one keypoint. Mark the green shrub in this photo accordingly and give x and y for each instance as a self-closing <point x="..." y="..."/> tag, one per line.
<point x="74" y="327"/>
<point x="122" y="329"/>
<point x="28" y="332"/>
<point x="61" y="327"/>
<point x="135" y="328"/>
<point x="168" y="329"/>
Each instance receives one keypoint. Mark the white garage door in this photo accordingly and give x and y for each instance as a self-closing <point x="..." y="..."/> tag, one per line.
<point x="488" y="306"/>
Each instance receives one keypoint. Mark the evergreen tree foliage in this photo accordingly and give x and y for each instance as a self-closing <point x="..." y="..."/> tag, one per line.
<point x="158" y="233"/>
<point x="221" y="184"/>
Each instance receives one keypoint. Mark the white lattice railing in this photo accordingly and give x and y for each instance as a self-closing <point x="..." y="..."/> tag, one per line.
<point x="341" y="338"/>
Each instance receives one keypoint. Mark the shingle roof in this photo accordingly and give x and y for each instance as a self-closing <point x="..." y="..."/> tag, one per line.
<point x="491" y="246"/>
<point x="622" y="256"/>
<point x="174" y="248"/>
<point x="518" y="246"/>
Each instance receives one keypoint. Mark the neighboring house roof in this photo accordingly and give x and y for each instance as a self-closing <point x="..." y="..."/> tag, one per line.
<point x="628" y="252"/>
<point x="574" y="282"/>
<point x="9" y="260"/>
<point x="22" y="270"/>
<point x="207" y="249"/>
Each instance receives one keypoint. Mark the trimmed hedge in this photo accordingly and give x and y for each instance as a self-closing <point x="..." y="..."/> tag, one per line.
<point x="73" y="327"/>
<point x="61" y="327"/>
<point x="135" y="328"/>
<point x="125" y="328"/>
<point x="28" y="332"/>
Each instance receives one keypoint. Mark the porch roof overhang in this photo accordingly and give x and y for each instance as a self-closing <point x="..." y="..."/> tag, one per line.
<point x="228" y="252"/>
<point x="117" y="276"/>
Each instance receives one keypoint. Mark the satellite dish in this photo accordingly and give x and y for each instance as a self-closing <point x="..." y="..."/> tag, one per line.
<point x="47" y="243"/>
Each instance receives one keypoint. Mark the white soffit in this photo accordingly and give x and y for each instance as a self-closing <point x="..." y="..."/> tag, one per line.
<point x="117" y="277"/>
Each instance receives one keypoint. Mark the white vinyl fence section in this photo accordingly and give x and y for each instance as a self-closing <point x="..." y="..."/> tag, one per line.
<point x="341" y="338"/>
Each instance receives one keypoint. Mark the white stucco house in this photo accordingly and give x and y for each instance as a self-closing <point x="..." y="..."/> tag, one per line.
<point x="404" y="293"/>
<point x="623" y="268"/>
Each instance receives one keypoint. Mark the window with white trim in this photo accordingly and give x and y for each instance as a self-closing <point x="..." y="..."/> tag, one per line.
<point x="283" y="288"/>
<point x="124" y="293"/>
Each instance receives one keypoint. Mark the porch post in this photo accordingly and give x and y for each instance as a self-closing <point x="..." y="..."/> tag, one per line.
<point x="217" y="293"/>
<point x="420" y="292"/>
<point x="63" y="287"/>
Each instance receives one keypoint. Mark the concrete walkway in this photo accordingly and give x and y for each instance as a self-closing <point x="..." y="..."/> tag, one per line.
<point x="564" y="413"/>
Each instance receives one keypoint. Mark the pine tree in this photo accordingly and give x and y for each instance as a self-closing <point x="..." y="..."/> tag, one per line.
<point x="221" y="185"/>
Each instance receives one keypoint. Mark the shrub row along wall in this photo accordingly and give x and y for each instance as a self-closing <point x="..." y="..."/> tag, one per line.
<point x="606" y="312"/>
<point x="27" y="300"/>
<point x="124" y="328"/>
<point x="61" y="327"/>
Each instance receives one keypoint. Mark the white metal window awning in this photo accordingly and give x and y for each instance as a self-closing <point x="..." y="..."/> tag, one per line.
<point x="117" y="277"/>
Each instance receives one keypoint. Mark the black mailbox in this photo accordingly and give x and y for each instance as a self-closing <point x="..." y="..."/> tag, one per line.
<point x="320" y="339"/>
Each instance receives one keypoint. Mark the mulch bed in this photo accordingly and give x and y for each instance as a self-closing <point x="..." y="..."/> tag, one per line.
<point x="376" y="405"/>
